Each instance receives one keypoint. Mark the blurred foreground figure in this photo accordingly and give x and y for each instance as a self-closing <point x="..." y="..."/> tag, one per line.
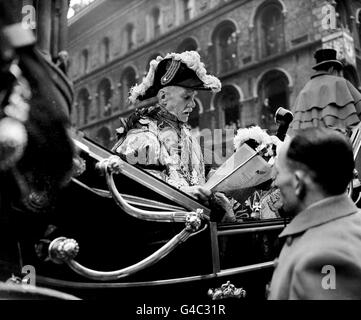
<point x="321" y="256"/>
<point x="36" y="151"/>
<point x="327" y="100"/>
<point x="158" y="138"/>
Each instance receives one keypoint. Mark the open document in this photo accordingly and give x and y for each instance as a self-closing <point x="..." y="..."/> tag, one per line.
<point x="238" y="176"/>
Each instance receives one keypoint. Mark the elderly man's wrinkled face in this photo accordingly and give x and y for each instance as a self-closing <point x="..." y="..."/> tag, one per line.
<point x="286" y="181"/>
<point x="178" y="101"/>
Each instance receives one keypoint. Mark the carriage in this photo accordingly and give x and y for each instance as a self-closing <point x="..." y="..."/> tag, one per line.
<point x="119" y="232"/>
<point x="116" y="231"/>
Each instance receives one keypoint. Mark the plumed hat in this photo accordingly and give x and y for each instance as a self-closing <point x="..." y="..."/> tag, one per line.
<point x="175" y="69"/>
<point x="326" y="58"/>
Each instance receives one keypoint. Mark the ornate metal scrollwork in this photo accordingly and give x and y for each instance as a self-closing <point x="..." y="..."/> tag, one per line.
<point x="193" y="220"/>
<point x="62" y="250"/>
<point x="113" y="165"/>
<point x="227" y="290"/>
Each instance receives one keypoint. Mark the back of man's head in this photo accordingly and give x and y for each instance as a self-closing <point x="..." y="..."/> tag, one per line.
<point x="327" y="155"/>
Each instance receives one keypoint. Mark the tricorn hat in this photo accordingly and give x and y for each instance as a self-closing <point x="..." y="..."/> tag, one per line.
<point x="326" y="58"/>
<point x="175" y="69"/>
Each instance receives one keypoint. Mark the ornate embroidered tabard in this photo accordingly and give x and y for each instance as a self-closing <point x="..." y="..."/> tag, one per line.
<point x="164" y="147"/>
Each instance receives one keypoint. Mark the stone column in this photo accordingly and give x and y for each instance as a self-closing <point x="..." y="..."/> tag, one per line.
<point x="55" y="28"/>
<point x="44" y="26"/>
<point x="63" y="25"/>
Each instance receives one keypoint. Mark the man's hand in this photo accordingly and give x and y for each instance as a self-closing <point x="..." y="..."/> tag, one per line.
<point x="226" y="204"/>
<point x="223" y="201"/>
<point x="197" y="192"/>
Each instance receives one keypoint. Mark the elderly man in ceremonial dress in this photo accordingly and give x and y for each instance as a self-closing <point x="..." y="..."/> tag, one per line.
<point x="157" y="137"/>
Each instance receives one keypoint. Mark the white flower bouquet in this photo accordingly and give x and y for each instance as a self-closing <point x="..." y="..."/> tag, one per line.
<point x="258" y="139"/>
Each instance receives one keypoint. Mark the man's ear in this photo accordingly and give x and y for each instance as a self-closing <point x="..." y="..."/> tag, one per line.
<point x="162" y="97"/>
<point x="299" y="184"/>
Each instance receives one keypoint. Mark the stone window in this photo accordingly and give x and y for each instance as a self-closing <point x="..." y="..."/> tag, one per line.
<point x="129" y="79"/>
<point x="228" y="104"/>
<point x="225" y="42"/>
<point x="83" y="107"/>
<point x="84" y="63"/>
<point x="186" y="10"/>
<point x="156" y="22"/>
<point x="271" y="31"/>
<point x="129" y="36"/>
<point x="273" y="92"/>
<point x="104" y="98"/>
<point x="105" y="50"/>
<point x="343" y="14"/>
<point x="188" y="44"/>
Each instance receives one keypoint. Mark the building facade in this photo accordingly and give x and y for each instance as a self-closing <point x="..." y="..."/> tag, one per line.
<point x="262" y="51"/>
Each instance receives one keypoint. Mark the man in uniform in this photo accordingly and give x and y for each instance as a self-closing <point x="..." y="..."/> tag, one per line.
<point x="327" y="100"/>
<point x="157" y="137"/>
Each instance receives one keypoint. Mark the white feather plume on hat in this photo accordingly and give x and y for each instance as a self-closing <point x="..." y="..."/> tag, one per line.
<point x="191" y="59"/>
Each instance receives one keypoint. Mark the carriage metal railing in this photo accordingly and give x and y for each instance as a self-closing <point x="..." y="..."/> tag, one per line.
<point x="63" y="250"/>
<point x="133" y="200"/>
<point x="91" y="285"/>
<point x="113" y="165"/>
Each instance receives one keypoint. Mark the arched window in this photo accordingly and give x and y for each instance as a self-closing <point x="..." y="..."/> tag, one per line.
<point x="271" y="33"/>
<point x="343" y="11"/>
<point x="156" y="25"/>
<point x="227" y="102"/>
<point x="84" y="64"/>
<point x="186" y="9"/>
<point x="225" y="41"/>
<point x="104" y="137"/>
<point x="104" y="51"/>
<point x="104" y="98"/>
<point x="83" y="106"/>
<point x="129" y="36"/>
<point x="129" y="79"/>
<point x="273" y="92"/>
<point x="187" y="44"/>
